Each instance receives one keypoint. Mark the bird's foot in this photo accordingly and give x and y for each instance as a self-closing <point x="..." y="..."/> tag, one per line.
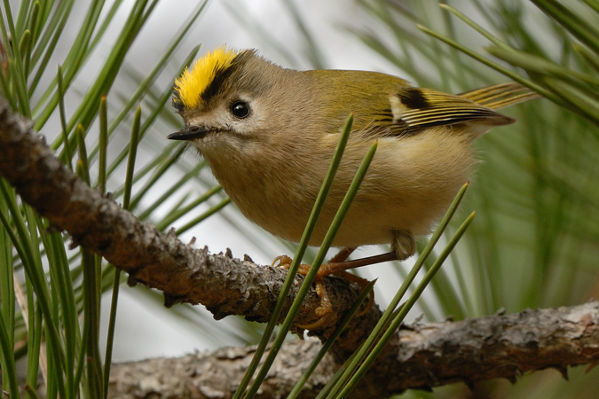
<point x="324" y="309"/>
<point x="336" y="266"/>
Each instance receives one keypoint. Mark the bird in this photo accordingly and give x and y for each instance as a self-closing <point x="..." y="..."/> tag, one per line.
<point x="269" y="133"/>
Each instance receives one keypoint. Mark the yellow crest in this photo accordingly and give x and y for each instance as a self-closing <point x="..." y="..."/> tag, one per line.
<point x="192" y="82"/>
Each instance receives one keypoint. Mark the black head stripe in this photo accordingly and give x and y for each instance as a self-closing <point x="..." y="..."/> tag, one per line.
<point x="221" y="74"/>
<point x="413" y="98"/>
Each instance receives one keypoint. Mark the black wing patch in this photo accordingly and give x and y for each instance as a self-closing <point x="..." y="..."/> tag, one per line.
<point x="413" y="98"/>
<point x="413" y="110"/>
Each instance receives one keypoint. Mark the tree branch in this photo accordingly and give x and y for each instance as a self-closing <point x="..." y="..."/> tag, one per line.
<point x="422" y="356"/>
<point x="425" y="356"/>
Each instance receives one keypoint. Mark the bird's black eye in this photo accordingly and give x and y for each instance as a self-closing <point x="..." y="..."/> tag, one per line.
<point x="240" y="109"/>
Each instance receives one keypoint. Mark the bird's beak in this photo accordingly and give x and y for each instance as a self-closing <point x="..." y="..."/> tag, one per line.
<point x="189" y="133"/>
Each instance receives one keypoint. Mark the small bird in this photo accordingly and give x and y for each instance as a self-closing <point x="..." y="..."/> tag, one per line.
<point x="269" y="133"/>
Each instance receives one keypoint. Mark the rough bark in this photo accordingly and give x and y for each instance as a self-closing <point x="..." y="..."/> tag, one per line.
<point x="421" y="356"/>
<point x="425" y="356"/>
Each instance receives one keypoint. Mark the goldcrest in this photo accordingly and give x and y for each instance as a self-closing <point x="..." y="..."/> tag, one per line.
<point x="269" y="133"/>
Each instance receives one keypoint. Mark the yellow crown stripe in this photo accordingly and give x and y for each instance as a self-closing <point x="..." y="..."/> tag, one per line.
<point x="192" y="82"/>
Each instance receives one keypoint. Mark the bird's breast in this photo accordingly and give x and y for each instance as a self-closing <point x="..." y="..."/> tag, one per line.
<point x="408" y="186"/>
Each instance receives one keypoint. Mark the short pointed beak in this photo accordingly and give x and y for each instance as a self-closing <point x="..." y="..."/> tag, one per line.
<point x="189" y="133"/>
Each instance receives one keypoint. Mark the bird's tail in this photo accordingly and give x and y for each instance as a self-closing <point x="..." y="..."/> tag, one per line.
<point x="500" y="95"/>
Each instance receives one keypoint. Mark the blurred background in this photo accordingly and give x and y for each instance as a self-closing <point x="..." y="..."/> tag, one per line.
<point x="534" y="242"/>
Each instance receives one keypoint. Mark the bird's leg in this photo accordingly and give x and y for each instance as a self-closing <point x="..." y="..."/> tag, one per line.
<point x="340" y="267"/>
<point x="329" y="268"/>
<point x="342" y="255"/>
<point x="403" y="246"/>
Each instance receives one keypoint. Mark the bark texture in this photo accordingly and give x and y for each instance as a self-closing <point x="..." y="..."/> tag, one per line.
<point x="424" y="356"/>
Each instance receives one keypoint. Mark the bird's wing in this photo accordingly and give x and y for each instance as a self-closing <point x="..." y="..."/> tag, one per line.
<point x="414" y="109"/>
<point x="418" y="108"/>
